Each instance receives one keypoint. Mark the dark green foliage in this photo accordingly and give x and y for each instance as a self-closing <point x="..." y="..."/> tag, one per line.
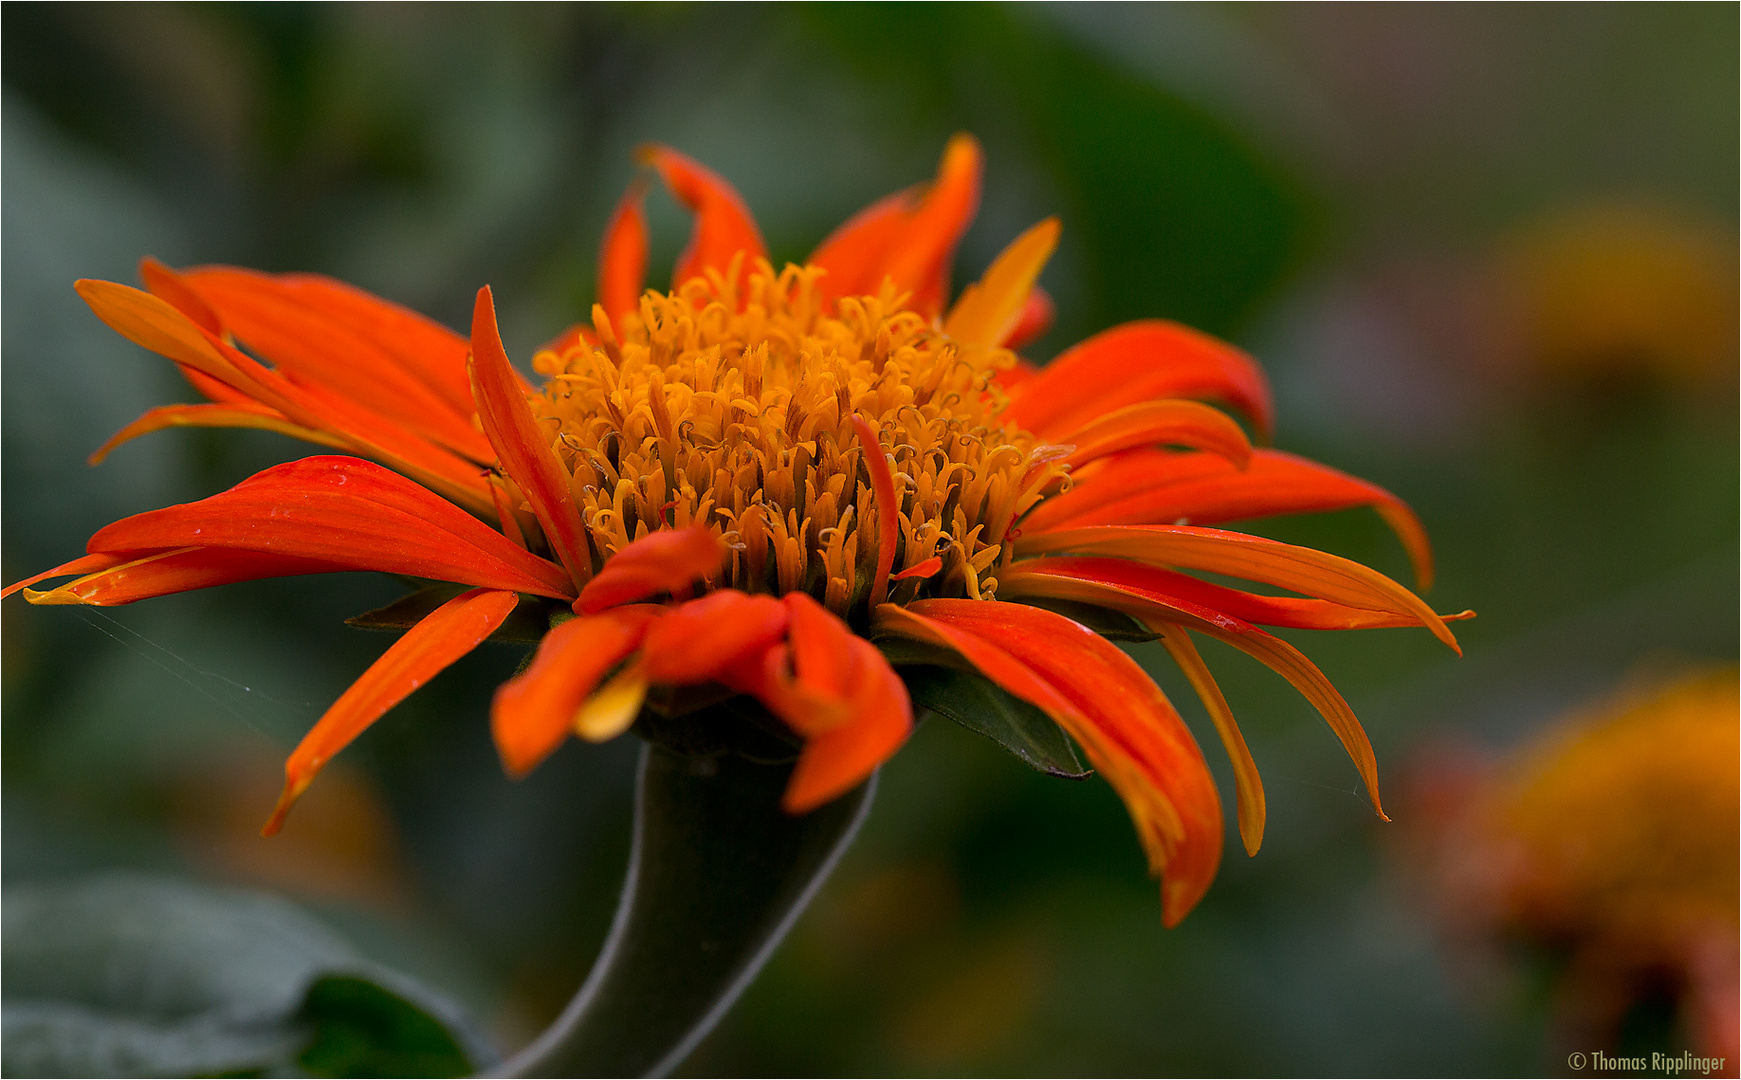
<point x="363" y="1029"/>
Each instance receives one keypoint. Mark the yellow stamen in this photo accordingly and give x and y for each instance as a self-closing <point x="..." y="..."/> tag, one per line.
<point x="696" y="410"/>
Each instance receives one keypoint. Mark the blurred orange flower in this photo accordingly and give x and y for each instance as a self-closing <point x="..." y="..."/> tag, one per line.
<point x="741" y="482"/>
<point x="1613" y="843"/>
<point x="1623" y="291"/>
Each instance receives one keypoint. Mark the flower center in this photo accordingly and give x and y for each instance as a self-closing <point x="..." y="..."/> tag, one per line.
<point x="694" y="411"/>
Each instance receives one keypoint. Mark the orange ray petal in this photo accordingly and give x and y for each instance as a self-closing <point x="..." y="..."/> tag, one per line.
<point x="660" y="562"/>
<point x="1038" y="311"/>
<point x="1105" y="481"/>
<point x="856" y="254"/>
<point x="622" y="257"/>
<point x="1104" y="700"/>
<point x="723" y="224"/>
<point x="989" y="310"/>
<point x="167" y="285"/>
<point x="149" y="321"/>
<point x="808" y="680"/>
<point x="163" y="282"/>
<point x="418" y="345"/>
<point x="888" y="507"/>
<point x="237" y="414"/>
<point x="142" y="576"/>
<point x="84" y="564"/>
<point x="1274" y="653"/>
<point x="703" y="639"/>
<point x="1299" y="613"/>
<point x="909" y="237"/>
<point x="446" y="634"/>
<point x="822" y="655"/>
<point x="348" y="512"/>
<point x="1217" y="551"/>
<point x="520" y="445"/>
<point x="383" y="357"/>
<point x="1210" y="492"/>
<point x="1170" y="422"/>
<point x="1139" y="361"/>
<point x="841" y="758"/>
<point x="1246" y="781"/>
<point x="534" y="711"/>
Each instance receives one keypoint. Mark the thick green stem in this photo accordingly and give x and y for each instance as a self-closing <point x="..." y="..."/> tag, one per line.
<point x="718" y="874"/>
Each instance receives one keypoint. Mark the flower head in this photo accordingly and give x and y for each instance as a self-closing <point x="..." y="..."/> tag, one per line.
<point x="792" y="485"/>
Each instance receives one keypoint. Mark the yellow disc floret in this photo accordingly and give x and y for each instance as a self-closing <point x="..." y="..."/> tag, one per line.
<point x="738" y="416"/>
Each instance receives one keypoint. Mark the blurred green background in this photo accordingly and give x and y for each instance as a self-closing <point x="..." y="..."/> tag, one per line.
<point x="1487" y="254"/>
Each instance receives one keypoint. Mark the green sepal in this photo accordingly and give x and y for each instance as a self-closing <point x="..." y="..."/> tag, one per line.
<point x="939" y="679"/>
<point x="978" y="704"/>
<point x="1104" y="621"/>
<point x="525" y="625"/>
<point x="709" y="721"/>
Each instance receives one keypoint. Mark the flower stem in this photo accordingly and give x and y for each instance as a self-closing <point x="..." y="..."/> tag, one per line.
<point x="718" y="874"/>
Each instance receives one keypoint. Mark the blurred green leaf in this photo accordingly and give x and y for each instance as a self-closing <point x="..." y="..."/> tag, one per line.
<point x="717" y="876"/>
<point x="1175" y="212"/>
<point x="129" y="975"/>
<point x="363" y="1029"/>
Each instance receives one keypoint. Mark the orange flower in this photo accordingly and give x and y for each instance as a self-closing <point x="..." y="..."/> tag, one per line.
<point x="742" y="483"/>
<point x="1610" y="844"/>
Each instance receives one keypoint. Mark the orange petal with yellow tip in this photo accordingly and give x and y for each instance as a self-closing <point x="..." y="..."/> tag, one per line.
<point x="169" y="286"/>
<point x="446" y="634"/>
<point x="1125" y="725"/>
<point x="888" y="507"/>
<point x="660" y="562"/>
<point x="148" y="575"/>
<point x="909" y="237"/>
<point x="723" y="224"/>
<point x="1246" y="781"/>
<point x="1254" y="558"/>
<point x="534" y="711"/>
<point x="622" y="257"/>
<point x="349" y="513"/>
<point x="704" y="639"/>
<point x="84" y="564"/>
<point x="1139" y="361"/>
<point x="1272" y="483"/>
<point x="521" y="445"/>
<point x="1155" y="607"/>
<point x="1295" y="612"/>
<point x="165" y="283"/>
<point x="237" y="414"/>
<point x="1172" y="422"/>
<point x="1146" y="488"/>
<point x="844" y="756"/>
<point x="990" y="309"/>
